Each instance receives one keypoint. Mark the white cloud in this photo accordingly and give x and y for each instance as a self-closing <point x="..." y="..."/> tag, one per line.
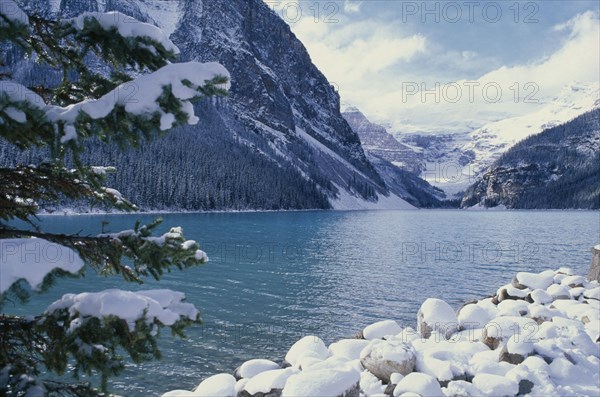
<point x="357" y="52"/>
<point x="577" y="60"/>
<point x="352" y="6"/>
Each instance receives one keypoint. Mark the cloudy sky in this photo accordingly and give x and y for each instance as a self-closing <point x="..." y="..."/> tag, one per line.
<point x="479" y="60"/>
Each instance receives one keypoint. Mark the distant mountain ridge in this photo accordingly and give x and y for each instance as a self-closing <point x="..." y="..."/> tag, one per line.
<point x="558" y="168"/>
<point x="377" y="141"/>
<point x="397" y="163"/>
<point x="474" y="151"/>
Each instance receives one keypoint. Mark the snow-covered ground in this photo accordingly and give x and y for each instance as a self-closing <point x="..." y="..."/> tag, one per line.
<point x="347" y="201"/>
<point x="538" y="336"/>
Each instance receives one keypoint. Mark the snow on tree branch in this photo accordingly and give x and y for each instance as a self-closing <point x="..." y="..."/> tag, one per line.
<point x="163" y="305"/>
<point x="173" y="239"/>
<point x="184" y="81"/>
<point x="32" y="259"/>
<point x="125" y="25"/>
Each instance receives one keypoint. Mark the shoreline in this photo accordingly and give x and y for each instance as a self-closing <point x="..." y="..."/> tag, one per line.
<point x="538" y="335"/>
<point x="181" y="212"/>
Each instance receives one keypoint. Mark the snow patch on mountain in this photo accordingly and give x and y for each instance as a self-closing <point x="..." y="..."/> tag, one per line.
<point x="348" y="201"/>
<point x="491" y="140"/>
<point x="453" y="161"/>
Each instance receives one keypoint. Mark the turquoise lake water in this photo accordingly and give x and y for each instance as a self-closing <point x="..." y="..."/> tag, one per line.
<point x="275" y="277"/>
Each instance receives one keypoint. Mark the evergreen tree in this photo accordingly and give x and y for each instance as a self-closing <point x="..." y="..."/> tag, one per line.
<point x="133" y="93"/>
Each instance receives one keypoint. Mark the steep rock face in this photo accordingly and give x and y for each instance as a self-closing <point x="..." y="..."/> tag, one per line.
<point x="557" y="168"/>
<point x="397" y="163"/>
<point x="275" y="87"/>
<point x="378" y="142"/>
<point x="280" y="108"/>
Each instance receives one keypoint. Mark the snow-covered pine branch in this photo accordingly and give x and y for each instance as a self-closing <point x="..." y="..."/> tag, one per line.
<point x="154" y="102"/>
<point x="117" y="102"/>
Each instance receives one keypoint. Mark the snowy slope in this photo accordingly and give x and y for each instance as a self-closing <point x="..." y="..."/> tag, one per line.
<point x="348" y="201"/>
<point x="557" y="168"/>
<point x="455" y="160"/>
<point x="490" y="141"/>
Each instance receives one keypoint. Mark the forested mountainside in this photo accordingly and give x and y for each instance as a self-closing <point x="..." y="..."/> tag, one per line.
<point x="278" y="141"/>
<point x="558" y="168"/>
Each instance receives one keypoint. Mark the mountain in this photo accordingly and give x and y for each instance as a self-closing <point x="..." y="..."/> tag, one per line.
<point x="558" y="168"/>
<point x="472" y="152"/>
<point x="278" y="141"/>
<point x="378" y="142"/>
<point x="398" y="164"/>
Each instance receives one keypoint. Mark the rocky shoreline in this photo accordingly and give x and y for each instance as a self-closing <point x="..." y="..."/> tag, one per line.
<point x="537" y="336"/>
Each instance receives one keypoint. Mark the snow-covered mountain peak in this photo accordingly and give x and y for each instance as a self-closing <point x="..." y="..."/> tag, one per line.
<point x="489" y="141"/>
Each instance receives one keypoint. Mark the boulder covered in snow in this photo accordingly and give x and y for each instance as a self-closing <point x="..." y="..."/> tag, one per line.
<point x="436" y="315"/>
<point x="348" y="348"/>
<point x="385" y="357"/>
<point x="381" y="329"/>
<point x="461" y="388"/>
<point x="558" y="291"/>
<point x="221" y="385"/>
<point x="517" y="349"/>
<point x="473" y="316"/>
<point x="540" y="296"/>
<point x="533" y="280"/>
<point x="495" y="385"/>
<point x="268" y="383"/>
<point x="254" y="367"/>
<point x="419" y="384"/>
<point x="307" y="346"/>
<point x="340" y="382"/>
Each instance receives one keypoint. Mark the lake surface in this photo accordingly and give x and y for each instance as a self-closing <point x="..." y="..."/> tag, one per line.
<point x="275" y="277"/>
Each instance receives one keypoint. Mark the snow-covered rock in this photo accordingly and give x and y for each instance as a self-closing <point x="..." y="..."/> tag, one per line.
<point x="254" y="367"/>
<point x="513" y="308"/>
<point x="534" y="280"/>
<point x="495" y="385"/>
<point x="329" y="382"/>
<point x="436" y="315"/>
<point x="421" y="384"/>
<point x="221" y="385"/>
<point x="573" y="281"/>
<point x="348" y="348"/>
<point x="500" y="329"/>
<point x="385" y="357"/>
<point x="461" y="388"/>
<point x="541" y="296"/>
<point x="269" y="381"/>
<point x="381" y="329"/>
<point x="517" y="349"/>
<point x="370" y="384"/>
<point x="309" y="345"/>
<point x="593" y="293"/>
<point x="473" y="316"/>
<point x="558" y="292"/>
